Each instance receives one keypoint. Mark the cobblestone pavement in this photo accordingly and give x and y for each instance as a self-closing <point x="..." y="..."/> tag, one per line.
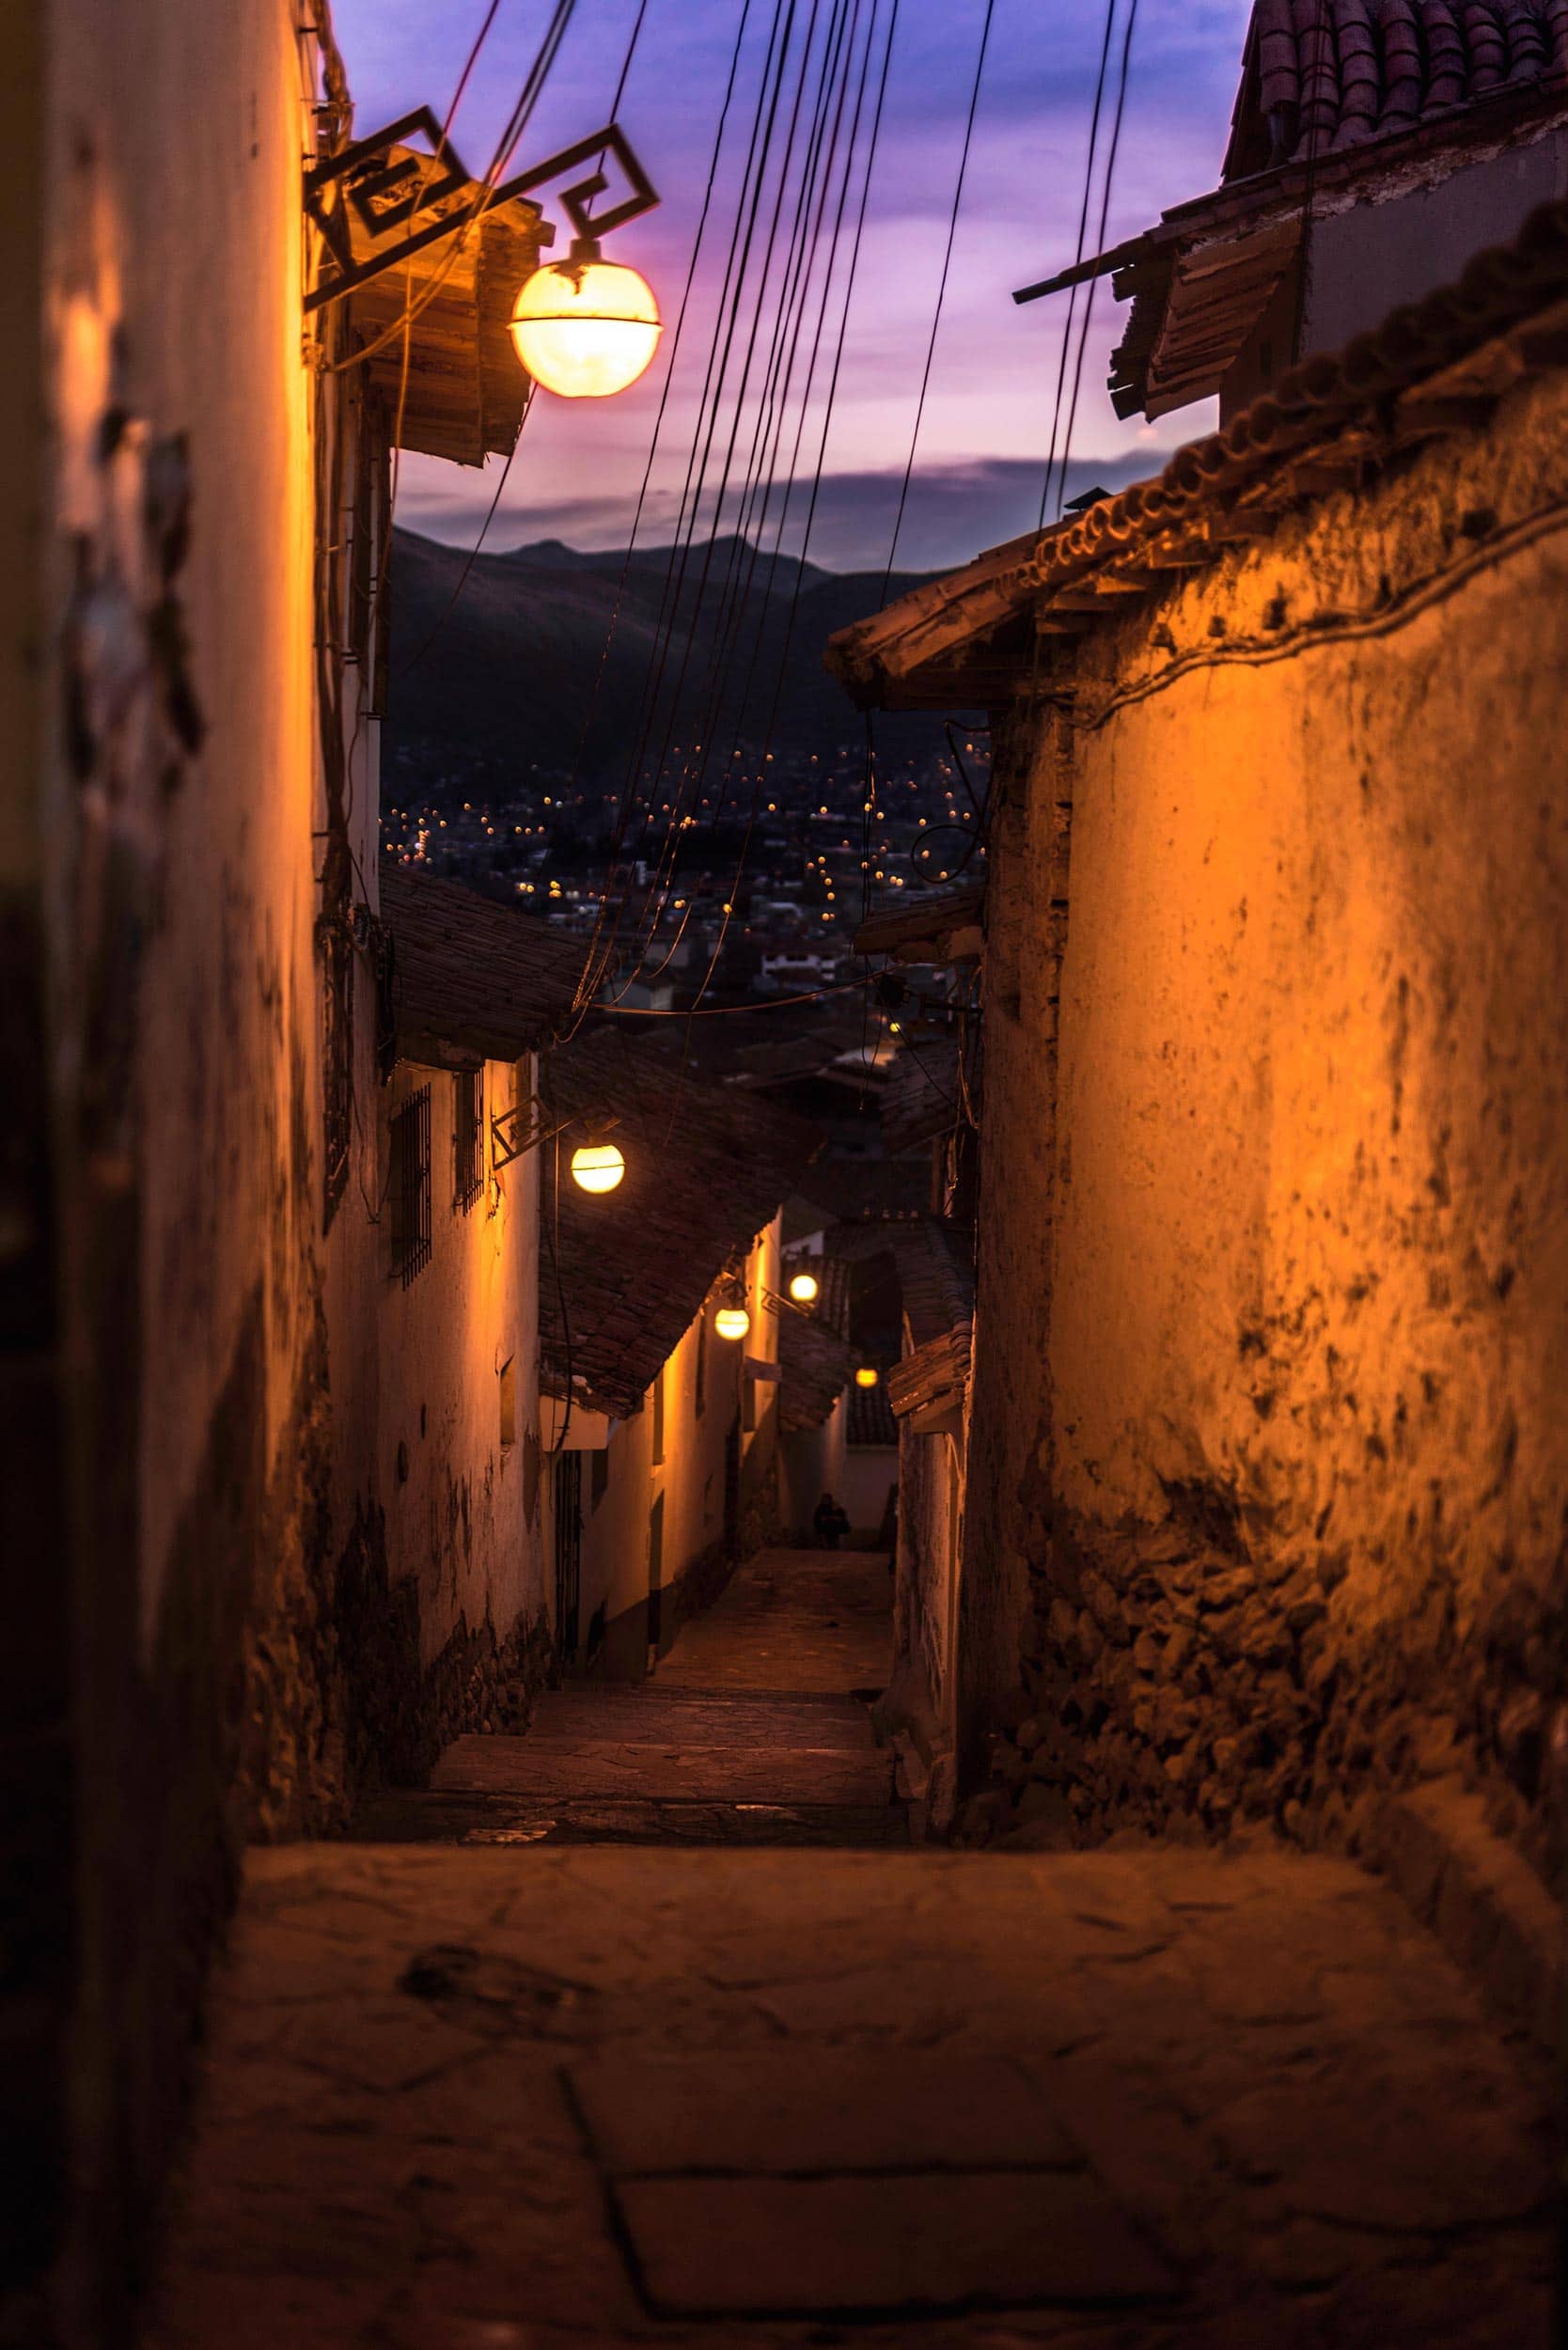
<point x="522" y="2098"/>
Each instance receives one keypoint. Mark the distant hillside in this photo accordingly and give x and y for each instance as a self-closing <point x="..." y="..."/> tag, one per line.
<point x="509" y="671"/>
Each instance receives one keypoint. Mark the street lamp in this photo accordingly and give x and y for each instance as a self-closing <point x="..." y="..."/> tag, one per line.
<point x="731" y="1321"/>
<point x="584" y="327"/>
<point x="803" y="1289"/>
<point x="597" y="1167"/>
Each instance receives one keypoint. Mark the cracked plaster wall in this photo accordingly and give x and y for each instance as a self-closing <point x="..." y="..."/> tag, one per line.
<point x="1273" y="1316"/>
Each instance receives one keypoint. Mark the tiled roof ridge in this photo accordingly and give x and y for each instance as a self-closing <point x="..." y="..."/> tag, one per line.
<point x="1497" y="287"/>
<point x="1193" y="509"/>
<point x="1325" y="75"/>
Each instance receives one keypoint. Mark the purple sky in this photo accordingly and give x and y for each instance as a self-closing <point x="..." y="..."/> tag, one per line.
<point x="987" y="419"/>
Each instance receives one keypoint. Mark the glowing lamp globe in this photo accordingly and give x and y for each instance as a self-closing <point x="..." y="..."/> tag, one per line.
<point x="864" y="1376"/>
<point x="802" y="1289"/>
<point x="597" y="1167"/>
<point x="731" y="1321"/>
<point x="586" y="328"/>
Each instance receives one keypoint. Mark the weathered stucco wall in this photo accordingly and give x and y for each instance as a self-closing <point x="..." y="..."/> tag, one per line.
<point x="1363" y="259"/>
<point x="918" y="1709"/>
<point x="1298" y="1477"/>
<point x="174" y="795"/>
<point x="458" y="1477"/>
<point x="1007" y="1486"/>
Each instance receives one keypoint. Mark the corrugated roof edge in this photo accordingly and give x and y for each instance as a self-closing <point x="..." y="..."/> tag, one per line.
<point x="1502" y="288"/>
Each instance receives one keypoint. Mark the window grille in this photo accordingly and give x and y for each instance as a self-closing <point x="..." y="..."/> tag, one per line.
<point x="411" y="1186"/>
<point x="469" y="1136"/>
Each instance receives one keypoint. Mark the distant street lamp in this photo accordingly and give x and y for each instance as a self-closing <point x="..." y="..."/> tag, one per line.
<point x="597" y="1167"/>
<point x="803" y="1289"/>
<point x="864" y="1376"/>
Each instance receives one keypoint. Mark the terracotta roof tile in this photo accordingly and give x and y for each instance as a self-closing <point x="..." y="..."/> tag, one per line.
<point x="1331" y="91"/>
<point x="921" y="1100"/>
<point x="470" y="975"/>
<point x="1505" y="319"/>
<point x="1323" y="76"/>
<point x="816" y="1364"/>
<point x="871" y="1418"/>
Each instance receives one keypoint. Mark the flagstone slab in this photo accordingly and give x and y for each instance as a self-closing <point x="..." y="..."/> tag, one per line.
<point x="849" y="2110"/>
<point x="869" y="2245"/>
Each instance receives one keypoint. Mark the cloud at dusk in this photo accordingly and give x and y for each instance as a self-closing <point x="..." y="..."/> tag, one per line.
<point x="987" y="420"/>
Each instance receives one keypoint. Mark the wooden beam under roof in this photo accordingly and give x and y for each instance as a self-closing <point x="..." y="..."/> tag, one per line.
<point x="462" y="390"/>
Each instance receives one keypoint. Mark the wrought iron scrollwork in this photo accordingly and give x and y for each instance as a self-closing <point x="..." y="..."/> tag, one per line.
<point x="405" y="202"/>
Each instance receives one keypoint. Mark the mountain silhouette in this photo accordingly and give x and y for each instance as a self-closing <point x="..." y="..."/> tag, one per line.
<point x="541" y="658"/>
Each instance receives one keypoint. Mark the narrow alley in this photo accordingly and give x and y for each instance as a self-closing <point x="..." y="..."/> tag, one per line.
<point x="525" y="2082"/>
<point x="756" y="1731"/>
<point x="784" y="1206"/>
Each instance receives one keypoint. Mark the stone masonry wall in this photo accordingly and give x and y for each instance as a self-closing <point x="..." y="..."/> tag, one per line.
<point x="1290" y="1506"/>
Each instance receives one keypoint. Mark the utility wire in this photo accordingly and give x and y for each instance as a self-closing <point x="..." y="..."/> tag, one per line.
<point x="1124" y="73"/>
<point x="1078" y="259"/>
<point x="941" y="290"/>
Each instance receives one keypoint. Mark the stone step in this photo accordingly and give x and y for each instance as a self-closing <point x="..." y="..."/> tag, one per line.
<point x="418" y="1816"/>
<point x="689" y="1771"/>
<point x="698" y="1717"/>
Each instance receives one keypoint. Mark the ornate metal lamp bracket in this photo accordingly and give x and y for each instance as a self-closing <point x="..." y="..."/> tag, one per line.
<point x="405" y="203"/>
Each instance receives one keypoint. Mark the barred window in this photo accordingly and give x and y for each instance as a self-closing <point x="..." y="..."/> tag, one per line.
<point x="469" y="1136"/>
<point x="411" y="1186"/>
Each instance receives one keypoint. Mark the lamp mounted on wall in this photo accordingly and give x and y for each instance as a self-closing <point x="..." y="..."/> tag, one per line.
<point x="733" y="1318"/>
<point x="584" y="327"/>
<point x="597" y="1166"/>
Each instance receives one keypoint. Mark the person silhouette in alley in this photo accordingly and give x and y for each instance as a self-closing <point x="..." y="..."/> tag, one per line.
<point x="830" y="1523"/>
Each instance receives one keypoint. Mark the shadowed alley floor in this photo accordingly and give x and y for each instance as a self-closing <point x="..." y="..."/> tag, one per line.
<point x="521" y="2098"/>
<point x="749" y="1735"/>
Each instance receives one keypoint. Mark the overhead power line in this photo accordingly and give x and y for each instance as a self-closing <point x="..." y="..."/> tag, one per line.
<point x="1122" y="77"/>
<point x="1078" y="259"/>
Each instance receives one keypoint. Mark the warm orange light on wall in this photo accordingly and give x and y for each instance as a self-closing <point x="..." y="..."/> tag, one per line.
<point x="586" y="328"/>
<point x="864" y="1376"/>
<point x="731" y="1321"/>
<point x="803" y="1289"/>
<point x="597" y="1167"/>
